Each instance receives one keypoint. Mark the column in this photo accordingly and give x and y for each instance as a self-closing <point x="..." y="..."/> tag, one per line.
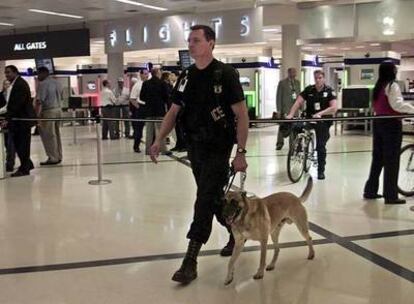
<point x="291" y="56"/>
<point x="2" y="77"/>
<point x="115" y="67"/>
<point x="268" y="52"/>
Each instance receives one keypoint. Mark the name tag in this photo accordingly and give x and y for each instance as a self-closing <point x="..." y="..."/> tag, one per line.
<point x="294" y="96"/>
<point x="325" y="94"/>
<point x="317" y="106"/>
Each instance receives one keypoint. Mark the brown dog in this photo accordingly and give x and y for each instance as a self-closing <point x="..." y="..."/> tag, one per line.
<point x="256" y="218"/>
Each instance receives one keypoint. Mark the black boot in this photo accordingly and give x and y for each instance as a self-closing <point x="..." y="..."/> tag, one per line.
<point x="188" y="269"/>
<point x="228" y="249"/>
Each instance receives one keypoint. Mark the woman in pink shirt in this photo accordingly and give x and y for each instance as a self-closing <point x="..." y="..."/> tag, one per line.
<point x="387" y="136"/>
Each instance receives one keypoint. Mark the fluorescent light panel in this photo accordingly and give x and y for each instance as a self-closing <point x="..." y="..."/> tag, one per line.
<point x="6" y="24"/>
<point x="55" y="13"/>
<point x="271" y="30"/>
<point x="143" y="5"/>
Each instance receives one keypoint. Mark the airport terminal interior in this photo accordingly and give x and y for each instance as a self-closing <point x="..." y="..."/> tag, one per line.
<point x="104" y="224"/>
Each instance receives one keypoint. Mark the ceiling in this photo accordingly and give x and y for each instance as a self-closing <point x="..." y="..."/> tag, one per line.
<point x="16" y="12"/>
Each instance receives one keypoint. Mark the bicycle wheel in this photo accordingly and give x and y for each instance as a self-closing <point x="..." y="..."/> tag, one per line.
<point x="406" y="174"/>
<point x="296" y="159"/>
<point x="309" y="152"/>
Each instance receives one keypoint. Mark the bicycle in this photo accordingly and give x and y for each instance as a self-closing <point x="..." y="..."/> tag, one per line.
<point x="406" y="174"/>
<point x="301" y="154"/>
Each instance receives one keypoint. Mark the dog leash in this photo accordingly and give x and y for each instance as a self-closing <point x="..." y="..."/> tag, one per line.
<point x="232" y="176"/>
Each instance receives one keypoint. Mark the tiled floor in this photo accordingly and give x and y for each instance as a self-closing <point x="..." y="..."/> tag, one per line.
<point x="56" y="220"/>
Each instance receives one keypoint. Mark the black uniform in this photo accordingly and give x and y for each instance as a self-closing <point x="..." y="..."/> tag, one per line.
<point x="206" y="97"/>
<point x="316" y="102"/>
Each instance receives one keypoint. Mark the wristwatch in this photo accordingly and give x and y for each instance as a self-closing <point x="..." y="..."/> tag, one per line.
<point x="241" y="150"/>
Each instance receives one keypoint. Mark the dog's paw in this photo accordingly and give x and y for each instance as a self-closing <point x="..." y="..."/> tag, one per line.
<point x="311" y="256"/>
<point x="228" y="281"/>
<point x="258" y="276"/>
<point x="270" y="267"/>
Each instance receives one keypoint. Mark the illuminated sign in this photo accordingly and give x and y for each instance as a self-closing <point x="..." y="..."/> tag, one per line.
<point x="41" y="45"/>
<point x="238" y="26"/>
<point x="112" y="38"/>
<point x="245" y="22"/>
<point x="45" y="45"/>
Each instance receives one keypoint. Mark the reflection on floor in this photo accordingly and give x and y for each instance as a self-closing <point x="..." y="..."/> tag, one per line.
<point x="120" y="243"/>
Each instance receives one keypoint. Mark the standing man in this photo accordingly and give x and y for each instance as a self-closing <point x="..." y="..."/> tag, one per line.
<point x="48" y="105"/>
<point x="320" y="102"/>
<point x="19" y="105"/>
<point x="138" y="108"/>
<point x="287" y="91"/>
<point x="154" y="93"/>
<point x="8" y="135"/>
<point x="108" y="101"/>
<point x="122" y="94"/>
<point x="214" y="116"/>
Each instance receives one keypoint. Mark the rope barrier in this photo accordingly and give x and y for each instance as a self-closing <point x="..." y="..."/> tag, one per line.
<point x="270" y="121"/>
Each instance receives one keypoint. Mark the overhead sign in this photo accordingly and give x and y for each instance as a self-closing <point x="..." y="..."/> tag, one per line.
<point x="231" y="27"/>
<point x="45" y="45"/>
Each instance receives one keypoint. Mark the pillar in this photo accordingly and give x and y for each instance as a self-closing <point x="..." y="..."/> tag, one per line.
<point x="291" y="56"/>
<point x="115" y="67"/>
<point x="2" y="77"/>
<point x="268" y="52"/>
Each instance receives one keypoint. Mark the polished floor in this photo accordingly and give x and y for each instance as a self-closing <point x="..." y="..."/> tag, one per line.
<point x="63" y="240"/>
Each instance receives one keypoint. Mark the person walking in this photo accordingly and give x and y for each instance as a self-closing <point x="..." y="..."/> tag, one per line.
<point x="387" y="136"/>
<point x="214" y="117"/>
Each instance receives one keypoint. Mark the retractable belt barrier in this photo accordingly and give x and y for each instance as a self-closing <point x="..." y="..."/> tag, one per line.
<point x="98" y="119"/>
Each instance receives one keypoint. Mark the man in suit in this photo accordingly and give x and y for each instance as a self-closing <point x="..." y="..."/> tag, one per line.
<point x="287" y="91"/>
<point x="155" y="95"/>
<point x="19" y="105"/>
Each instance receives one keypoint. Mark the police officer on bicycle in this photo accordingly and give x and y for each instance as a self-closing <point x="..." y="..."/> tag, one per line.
<point x="320" y="102"/>
<point x="210" y="100"/>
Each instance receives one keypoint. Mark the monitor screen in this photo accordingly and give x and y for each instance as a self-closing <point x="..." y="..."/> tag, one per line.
<point x="185" y="59"/>
<point x="45" y="62"/>
<point x="356" y="98"/>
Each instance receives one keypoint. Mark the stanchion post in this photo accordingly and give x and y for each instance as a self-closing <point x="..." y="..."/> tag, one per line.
<point x="100" y="180"/>
<point x="74" y="126"/>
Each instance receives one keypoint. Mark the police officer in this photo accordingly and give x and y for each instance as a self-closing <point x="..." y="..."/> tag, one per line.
<point x="320" y="101"/>
<point x="214" y="115"/>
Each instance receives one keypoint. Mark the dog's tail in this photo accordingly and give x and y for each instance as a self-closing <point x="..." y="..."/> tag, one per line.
<point x="307" y="191"/>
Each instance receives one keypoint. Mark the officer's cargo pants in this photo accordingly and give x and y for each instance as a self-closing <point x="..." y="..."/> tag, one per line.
<point x="210" y="167"/>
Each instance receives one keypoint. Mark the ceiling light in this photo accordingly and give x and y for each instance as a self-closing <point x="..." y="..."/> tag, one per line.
<point x="375" y="44"/>
<point x="332" y="48"/>
<point x="271" y="30"/>
<point x="143" y="5"/>
<point x="388" y="32"/>
<point x="260" y="43"/>
<point x="6" y="24"/>
<point x="275" y="39"/>
<point x="55" y="13"/>
<point x="360" y="47"/>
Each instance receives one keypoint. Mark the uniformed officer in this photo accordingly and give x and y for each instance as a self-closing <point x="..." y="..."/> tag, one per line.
<point x="214" y="115"/>
<point x="320" y="101"/>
